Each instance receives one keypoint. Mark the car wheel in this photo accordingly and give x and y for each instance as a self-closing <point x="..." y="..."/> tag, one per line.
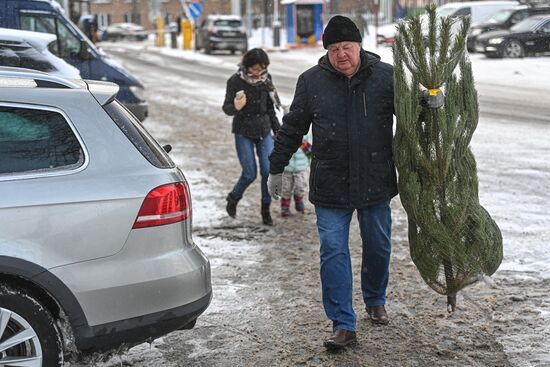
<point x="28" y="333"/>
<point x="513" y="49"/>
<point x="207" y="49"/>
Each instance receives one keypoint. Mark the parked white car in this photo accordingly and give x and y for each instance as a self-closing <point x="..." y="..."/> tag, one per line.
<point x="477" y="10"/>
<point x="29" y="50"/>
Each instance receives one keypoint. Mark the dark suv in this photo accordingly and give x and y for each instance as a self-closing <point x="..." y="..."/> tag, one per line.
<point x="222" y="32"/>
<point x="504" y="19"/>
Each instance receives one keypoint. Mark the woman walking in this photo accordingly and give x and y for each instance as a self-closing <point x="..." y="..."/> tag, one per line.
<point x="250" y="98"/>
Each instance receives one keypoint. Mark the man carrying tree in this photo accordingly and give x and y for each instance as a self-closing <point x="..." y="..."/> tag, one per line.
<point x="348" y="100"/>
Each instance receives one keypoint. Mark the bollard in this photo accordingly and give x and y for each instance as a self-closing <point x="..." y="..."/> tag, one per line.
<point x="174" y="39"/>
<point x="276" y="34"/>
<point x="187" y="33"/>
<point x="160" y="31"/>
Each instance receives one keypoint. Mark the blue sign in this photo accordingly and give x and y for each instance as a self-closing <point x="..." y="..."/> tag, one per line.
<point x="195" y="10"/>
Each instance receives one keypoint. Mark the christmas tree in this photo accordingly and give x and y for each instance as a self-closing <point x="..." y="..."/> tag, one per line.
<point x="453" y="239"/>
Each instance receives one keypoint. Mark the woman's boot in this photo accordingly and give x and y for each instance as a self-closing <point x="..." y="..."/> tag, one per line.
<point x="266" y="215"/>
<point x="231" y="206"/>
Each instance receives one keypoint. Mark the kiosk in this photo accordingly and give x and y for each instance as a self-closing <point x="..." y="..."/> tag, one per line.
<point x="304" y="21"/>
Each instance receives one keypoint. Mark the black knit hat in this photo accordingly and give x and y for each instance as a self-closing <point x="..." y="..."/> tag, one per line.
<point x="340" y="29"/>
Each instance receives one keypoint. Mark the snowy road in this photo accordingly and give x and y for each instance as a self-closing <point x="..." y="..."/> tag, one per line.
<point x="266" y="309"/>
<point x="502" y="100"/>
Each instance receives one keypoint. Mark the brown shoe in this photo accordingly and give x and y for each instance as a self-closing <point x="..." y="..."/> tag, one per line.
<point x="378" y="315"/>
<point x="340" y="339"/>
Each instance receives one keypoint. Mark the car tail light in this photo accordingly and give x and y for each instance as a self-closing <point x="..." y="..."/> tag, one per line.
<point x="164" y="205"/>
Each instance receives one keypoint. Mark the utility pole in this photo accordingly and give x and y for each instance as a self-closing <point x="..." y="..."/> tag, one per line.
<point x="135" y="12"/>
<point x="334" y="9"/>
<point x="276" y="25"/>
<point x="264" y="22"/>
<point x="154" y="10"/>
<point x="249" y="17"/>
<point x="377" y="12"/>
<point x="236" y="7"/>
<point x="360" y="14"/>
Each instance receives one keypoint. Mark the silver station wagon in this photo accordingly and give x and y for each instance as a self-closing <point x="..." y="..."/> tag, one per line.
<point x="95" y="225"/>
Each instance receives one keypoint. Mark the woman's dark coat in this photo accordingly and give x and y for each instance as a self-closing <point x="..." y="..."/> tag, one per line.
<point x="352" y="120"/>
<point x="257" y="118"/>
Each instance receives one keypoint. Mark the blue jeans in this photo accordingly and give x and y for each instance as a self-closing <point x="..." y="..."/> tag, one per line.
<point x="336" y="273"/>
<point x="245" y="152"/>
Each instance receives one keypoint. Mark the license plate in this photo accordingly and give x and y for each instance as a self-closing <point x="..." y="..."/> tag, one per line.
<point x="480" y="48"/>
<point x="230" y="34"/>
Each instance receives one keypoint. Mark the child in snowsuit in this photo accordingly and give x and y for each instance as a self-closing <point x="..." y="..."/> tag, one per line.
<point x="295" y="178"/>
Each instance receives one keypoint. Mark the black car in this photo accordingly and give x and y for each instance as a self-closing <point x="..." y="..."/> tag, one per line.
<point x="222" y="32"/>
<point x="504" y="19"/>
<point x="528" y="37"/>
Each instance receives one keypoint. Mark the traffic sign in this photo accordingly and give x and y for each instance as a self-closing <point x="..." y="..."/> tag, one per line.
<point x="195" y="10"/>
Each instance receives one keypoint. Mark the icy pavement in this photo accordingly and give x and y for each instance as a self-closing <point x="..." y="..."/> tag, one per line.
<point x="514" y="173"/>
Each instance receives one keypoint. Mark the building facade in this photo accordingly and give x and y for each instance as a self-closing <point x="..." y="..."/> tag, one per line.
<point x="257" y="12"/>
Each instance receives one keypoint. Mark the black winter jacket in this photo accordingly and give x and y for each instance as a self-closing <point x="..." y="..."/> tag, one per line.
<point x="257" y="118"/>
<point x="352" y="120"/>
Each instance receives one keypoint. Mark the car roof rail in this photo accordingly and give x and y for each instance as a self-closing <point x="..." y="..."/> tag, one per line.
<point x="41" y="79"/>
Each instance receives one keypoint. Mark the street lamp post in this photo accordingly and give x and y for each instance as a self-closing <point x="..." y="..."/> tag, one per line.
<point x="249" y="17"/>
<point x="376" y="13"/>
<point x="135" y="13"/>
<point x="276" y="25"/>
<point x="236" y="7"/>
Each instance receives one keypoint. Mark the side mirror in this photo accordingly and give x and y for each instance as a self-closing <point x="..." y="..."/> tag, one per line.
<point x="167" y="148"/>
<point x="84" y="53"/>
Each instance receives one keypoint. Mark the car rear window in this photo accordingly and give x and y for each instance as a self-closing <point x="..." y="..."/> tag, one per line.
<point x="227" y="23"/>
<point x="24" y="56"/>
<point x="136" y="133"/>
<point x="34" y="140"/>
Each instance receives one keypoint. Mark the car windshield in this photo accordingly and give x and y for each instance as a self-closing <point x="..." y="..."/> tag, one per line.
<point x="526" y="25"/>
<point x="500" y="16"/>
<point x="234" y="23"/>
<point x="445" y="11"/>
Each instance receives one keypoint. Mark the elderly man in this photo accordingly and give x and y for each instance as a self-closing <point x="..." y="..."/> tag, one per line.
<point x="348" y="100"/>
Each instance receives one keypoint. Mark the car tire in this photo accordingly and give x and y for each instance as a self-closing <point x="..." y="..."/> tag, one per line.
<point x="207" y="49"/>
<point x="513" y="49"/>
<point x="22" y="312"/>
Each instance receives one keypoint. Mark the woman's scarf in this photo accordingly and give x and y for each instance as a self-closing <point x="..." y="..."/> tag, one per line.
<point x="264" y="79"/>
